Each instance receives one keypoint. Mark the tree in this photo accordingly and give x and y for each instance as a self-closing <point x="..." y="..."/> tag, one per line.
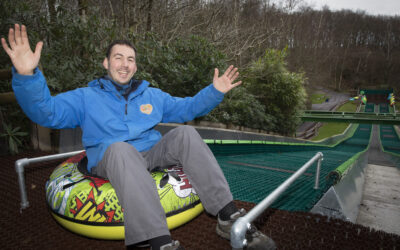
<point x="280" y="91"/>
<point x="181" y="67"/>
<point x="242" y="108"/>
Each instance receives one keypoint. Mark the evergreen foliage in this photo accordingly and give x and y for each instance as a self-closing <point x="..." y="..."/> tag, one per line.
<point x="181" y="67"/>
<point x="241" y="108"/>
<point x="280" y="91"/>
<point x="75" y="44"/>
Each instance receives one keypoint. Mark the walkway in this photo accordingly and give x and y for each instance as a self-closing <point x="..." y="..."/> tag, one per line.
<point x="380" y="206"/>
<point x="335" y="98"/>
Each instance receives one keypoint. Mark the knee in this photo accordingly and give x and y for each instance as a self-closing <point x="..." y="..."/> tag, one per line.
<point x="187" y="130"/>
<point x="188" y="134"/>
<point x="119" y="148"/>
<point x="123" y="156"/>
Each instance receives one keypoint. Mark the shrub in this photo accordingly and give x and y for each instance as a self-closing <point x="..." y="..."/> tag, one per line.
<point x="280" y="92"/>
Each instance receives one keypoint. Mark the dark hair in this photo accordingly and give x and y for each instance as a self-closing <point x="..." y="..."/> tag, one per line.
<point x="119" y="42"/>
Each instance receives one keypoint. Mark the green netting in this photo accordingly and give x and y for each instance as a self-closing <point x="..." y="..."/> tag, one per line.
<point x="383" y="108"/>
<point x="253" y="171"/>
<point x="369" y="107"/>
<point x="365" y="132"/>
<point x="256" y="168"/>
<point x="389" y="138"/>
<point x="377" y="91"/>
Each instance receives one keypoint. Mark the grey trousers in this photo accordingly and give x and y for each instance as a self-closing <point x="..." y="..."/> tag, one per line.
<point x="129" y="173"/>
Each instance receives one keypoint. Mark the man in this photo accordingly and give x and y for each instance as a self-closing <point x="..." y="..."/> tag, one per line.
<point x="117" y="115"/>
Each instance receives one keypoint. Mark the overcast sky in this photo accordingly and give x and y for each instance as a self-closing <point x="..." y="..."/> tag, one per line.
<point x="373" y="7"/>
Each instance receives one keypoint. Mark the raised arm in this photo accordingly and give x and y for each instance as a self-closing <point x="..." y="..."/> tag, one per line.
<point x="30" y="88"/>
<point x="20" y="53"/>
<point x="185" y="109"/>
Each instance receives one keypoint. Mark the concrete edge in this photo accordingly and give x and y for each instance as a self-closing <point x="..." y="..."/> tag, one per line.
<point x="343" y="200"/>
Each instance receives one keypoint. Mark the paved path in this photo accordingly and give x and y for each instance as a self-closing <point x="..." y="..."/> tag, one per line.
<point x="335" y="98"/>
<point x="380" y="205"/>
<point x="375" y="154"/>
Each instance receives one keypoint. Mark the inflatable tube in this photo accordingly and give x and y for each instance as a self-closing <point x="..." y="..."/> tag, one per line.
<point x="87" y="205"/>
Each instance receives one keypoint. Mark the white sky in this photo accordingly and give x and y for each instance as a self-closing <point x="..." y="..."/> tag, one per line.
<point x="372" y="7"/>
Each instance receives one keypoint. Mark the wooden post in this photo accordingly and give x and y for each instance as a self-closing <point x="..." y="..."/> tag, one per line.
<point x="7" y="98"/>
<point x="5" y="74"/>
<point x="41" y="138"/>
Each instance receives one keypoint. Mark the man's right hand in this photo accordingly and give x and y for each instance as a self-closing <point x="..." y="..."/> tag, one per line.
<point x="22" y="57"/>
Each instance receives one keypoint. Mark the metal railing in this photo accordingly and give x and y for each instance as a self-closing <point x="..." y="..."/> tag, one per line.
<point x="20" y="165"/>
<point x="242" y="224"/>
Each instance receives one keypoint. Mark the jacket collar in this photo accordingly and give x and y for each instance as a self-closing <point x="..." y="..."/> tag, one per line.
<point x="105" y="84"/>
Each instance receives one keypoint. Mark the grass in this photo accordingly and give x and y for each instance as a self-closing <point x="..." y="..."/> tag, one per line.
<point x="318" y="98"/>
<point x="335" y="128"/>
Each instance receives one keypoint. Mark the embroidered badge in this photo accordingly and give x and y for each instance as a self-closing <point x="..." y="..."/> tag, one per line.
<point x="146" y="109"/>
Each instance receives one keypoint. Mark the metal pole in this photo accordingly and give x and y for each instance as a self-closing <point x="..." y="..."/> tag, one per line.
<point x="19" y="168"/>
<point x="242" y="224"/>
<point x="316" y="186"/>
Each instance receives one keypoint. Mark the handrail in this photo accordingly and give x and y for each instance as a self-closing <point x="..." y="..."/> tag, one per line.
<point x="242" y="224"/>
<point x="20" y="165"/>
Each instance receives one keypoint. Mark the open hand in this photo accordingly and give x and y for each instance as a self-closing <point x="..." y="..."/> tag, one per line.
<point x="226" y="82"/>
<point x="20" y="53"/>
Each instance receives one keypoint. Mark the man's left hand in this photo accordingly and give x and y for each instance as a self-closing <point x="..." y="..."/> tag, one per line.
<point x="225" y="82"/>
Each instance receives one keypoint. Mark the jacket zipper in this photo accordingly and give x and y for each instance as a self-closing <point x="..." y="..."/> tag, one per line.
<point x="126" y="105"/>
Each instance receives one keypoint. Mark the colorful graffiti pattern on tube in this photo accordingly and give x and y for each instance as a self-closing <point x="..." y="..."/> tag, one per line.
<point x="89" y="206"/>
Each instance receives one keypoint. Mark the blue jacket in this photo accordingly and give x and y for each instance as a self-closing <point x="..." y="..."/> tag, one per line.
<point x="106" y="117"/>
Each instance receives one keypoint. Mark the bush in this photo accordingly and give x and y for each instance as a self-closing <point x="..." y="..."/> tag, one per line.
<point x="74" y="48"/>
<point x="242" y="108"/>
<point x="182" y="67"/>
<point x="280" y="92"/>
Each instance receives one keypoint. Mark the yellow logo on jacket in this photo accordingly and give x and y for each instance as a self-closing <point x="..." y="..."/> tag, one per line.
<point x="146" y="108"/>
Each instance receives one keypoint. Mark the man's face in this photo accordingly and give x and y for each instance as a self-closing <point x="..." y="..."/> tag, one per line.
<point x="121" y="66"/>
